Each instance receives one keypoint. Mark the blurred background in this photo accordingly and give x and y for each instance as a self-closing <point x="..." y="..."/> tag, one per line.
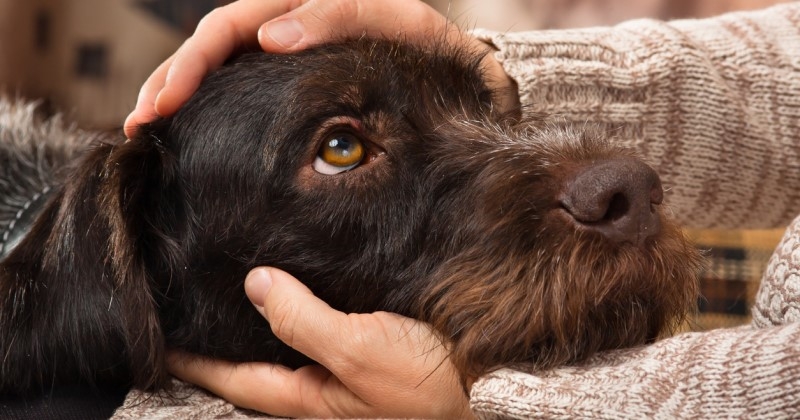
<point x="88" y="58"/>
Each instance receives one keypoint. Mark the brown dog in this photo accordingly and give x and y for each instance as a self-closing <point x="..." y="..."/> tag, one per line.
<point x="376" y="172"/>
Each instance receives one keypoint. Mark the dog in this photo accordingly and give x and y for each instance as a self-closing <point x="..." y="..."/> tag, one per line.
<point x="377" y="172"/>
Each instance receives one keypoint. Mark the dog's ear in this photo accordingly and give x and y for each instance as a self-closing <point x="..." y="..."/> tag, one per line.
<point x="78" y="295"/>
<point x="140" y="200"/>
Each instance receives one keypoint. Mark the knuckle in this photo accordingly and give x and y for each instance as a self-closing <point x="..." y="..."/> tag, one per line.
<point x="212" y="19"/>
<point x="359" y="330"/>
<point x="282" y="321"/>
<point x="349" y="9"/>
<point x="358" y="343"/>
<point x="344" y="11"/>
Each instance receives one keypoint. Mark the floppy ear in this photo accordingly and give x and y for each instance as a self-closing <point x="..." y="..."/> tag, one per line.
<point x="140" y="201"/>
<point x="78" y="294"/>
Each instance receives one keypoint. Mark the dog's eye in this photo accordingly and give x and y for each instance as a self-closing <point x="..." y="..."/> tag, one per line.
<point x="339" y="153"/>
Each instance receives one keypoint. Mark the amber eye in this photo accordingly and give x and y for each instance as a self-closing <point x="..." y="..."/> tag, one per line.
<point x="339" y="153"/>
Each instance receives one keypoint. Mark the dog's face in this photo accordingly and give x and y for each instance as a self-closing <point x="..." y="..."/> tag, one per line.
<point x="378" y="174"/>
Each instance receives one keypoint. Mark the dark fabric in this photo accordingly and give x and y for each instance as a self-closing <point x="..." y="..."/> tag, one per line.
<point x="17" y="228"/>
<point x="68" y="403"/>
<point x="728" y="287"/>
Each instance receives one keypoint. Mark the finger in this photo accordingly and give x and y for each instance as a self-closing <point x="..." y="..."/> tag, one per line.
<point x="272" y="389"/>
<point x="265" y="387"/>
<point x="218" y="35"/>
<point x="296" y="316"/>
<point x="341" y="342"/>
<point x="145" y="103"/>
<point x="344" y="344"/>
<point x="228" y="380"/>
<point x="316" y="22"/>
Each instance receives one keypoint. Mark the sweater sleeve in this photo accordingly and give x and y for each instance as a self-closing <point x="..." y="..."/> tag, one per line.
<point x="739" y="373"/>
<point x="713" y="104"/>
<point x="778" y="298"/>
<point x="747" y="372"/>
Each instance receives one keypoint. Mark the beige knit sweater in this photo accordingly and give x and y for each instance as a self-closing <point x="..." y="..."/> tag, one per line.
<point x="714" y="106"/>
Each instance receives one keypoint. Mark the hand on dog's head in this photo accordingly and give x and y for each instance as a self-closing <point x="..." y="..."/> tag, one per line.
<point x="376" y="172"/>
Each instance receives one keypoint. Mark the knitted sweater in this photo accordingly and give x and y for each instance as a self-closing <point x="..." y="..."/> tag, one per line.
<point x="714" y="106"/>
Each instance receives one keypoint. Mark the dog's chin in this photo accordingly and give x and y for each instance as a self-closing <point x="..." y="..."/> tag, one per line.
<point x="585" y="296"/>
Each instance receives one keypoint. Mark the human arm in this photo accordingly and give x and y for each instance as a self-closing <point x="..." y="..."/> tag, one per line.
<point x="711" y="104"/>
<point x="733" y="373"/>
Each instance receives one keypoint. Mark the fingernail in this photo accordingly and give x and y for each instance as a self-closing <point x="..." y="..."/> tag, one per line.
<point x="256" y="285"/>
<point x="286" y="32"/>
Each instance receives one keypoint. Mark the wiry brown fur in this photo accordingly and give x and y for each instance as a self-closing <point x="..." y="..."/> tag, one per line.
<point x="455" y="219"/>
<point x="488" y="299"/>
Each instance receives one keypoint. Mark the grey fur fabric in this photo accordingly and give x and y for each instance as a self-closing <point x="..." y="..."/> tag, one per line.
<point x="32" y="146"/>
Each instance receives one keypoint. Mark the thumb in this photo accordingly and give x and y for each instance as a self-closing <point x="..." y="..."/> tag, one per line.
<point x="296" y="316"/>
<point x="319" y="21"/>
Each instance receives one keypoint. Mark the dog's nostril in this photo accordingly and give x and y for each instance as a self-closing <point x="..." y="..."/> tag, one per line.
<point x="615" y="197"/>
<point x="617" y="207"/>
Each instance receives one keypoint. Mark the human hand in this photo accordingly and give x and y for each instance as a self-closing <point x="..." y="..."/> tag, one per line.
<point x="293" y="25"/>
<point x="378" y="364"/>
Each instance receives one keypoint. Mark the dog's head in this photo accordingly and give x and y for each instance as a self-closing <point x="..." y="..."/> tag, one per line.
<point x="379" y="174"/>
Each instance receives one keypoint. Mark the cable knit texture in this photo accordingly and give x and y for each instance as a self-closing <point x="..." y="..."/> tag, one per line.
<point x="714" y="106"/>
<point x="778" y="299"/>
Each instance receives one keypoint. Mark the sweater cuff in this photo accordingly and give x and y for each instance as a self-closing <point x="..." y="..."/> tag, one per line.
<point x="733" y="373"/>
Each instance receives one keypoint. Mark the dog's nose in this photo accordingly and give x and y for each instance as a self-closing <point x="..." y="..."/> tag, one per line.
<point x="616" y="197"/>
